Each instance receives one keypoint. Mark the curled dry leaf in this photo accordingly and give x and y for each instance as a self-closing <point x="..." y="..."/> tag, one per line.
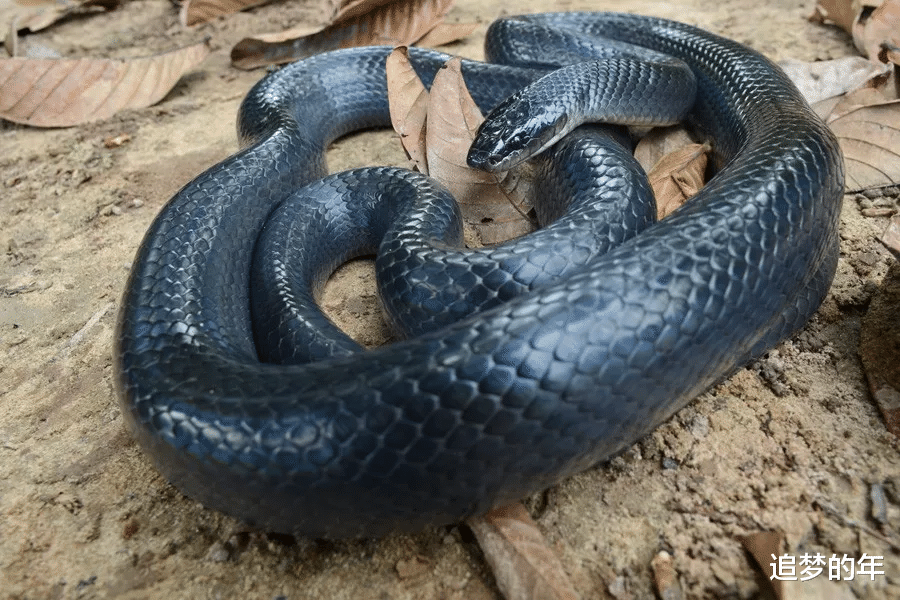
<point x="66" y="92"/>
<point x="665" y="577"/>
<point x="408" y="102"/>
<point x="890" y="237"/>
<point x="445" y="33"/>
<point x="42" y="17"/>
<point x="678" y="176"/>
<point x="870" y="22"/>
<point x="675" y="165"/>
<point x="356" y="8"/>
<point x="879" y="339"/>
<point x="490" y="202"/>
<point x="842" y="13"/>
<point x="659" y="142"/>
<point x="11" y="41"/>
<point x="399" y="23"/>
<point x="436" y="131"/>
<point x="824" y="79"/>
<point x="868" y="128"/>
<point x="762" y="545"/>
<point x="524" y="566"/>
<point x="882" y="27"/>
<point x="194" y="12"/>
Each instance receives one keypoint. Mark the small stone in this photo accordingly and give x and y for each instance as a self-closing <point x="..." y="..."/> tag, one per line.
<point x="700" y="426"/>
<point x="218" y="553"/>
<point x="412" y="567"/>
<point x="877" y="212"/>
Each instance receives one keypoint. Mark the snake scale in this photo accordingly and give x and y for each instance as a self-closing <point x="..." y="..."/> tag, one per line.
<point x="503" y="402"/>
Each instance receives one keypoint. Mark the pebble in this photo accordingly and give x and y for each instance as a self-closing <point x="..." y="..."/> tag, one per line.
<point x="217" y="553"/>
<point x="877" y="212"/>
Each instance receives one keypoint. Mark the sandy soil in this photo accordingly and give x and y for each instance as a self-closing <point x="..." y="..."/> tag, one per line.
<point x="793" y="443"/>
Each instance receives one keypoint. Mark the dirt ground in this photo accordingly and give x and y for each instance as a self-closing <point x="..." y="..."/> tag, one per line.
<point x="793" y="443"/>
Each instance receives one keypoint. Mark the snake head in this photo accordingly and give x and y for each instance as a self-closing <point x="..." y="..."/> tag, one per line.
<point x="516" y="130"/>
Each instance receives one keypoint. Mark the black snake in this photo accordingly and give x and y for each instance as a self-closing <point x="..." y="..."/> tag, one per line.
<point x="501" y="403"/>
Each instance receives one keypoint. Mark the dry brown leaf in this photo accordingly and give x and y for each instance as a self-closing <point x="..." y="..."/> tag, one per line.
<point x="399" y="23"/>
<point x="46" y="15"/>
<point x="868" y="129"/>
<point x="659" y="142"/>
<point x="11" y="42"/>
<point x="881" y="27"/>
<point x="678" y="176"/>
<point x="444" y="33"/>
<point x="824" y="79"/>
<point x="870" y="22"/>
<point x="892" y="55"/>
<point x="665" y="578"/>
<point x="842" y="13"/>
<point x="879" y="338"/>
<point x="490" y="202"/>
<point x="66" y="92"/>
<point x="675" y="166"/>
<point x="524" y="566"/>
<point x="762" y="545"/>
<point x="356" y="8"/>
<point x="194" y="12"/>
<point x="408" y="101"/>
<point x="890" y="237"/>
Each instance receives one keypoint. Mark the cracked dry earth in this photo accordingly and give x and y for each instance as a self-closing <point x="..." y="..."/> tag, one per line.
<point x="793" y="443"/>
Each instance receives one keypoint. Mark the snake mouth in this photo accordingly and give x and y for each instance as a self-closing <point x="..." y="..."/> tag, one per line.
<point x="495" y="150"/>
<point x="485" y="160"/>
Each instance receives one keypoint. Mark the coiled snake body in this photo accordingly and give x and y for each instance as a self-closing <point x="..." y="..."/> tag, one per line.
<point x="504" y="402"/>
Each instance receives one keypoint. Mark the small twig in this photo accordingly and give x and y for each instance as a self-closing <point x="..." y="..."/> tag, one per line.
<point x="886" y="186"/>
<point x="79" y="335"/>
<point x="833" y="512"/>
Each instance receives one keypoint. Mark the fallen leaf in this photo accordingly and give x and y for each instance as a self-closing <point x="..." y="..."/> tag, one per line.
<point x="660" y="141"/>
<point x="444" y="33"/>
<point x="890" y="237"/>
<point x="675" y="165"/>
<point x="44" y="16"/>
<point x="399" y="23"/>
<point x="762" y="545"/>
<point x="408" y="101"/>
<point x="116" y="140"/>
<point x="11" y="41"/>
<point x="356" y="8"/>
<point x="882" y="27"/>
<point x="66" y="92"/>
<point x="868" y="129"/>
<point x="824" y="79"/>
<point x="678" y="176"/>
<point x="524" y="566"/>
<point x="665" y="577"/>
<point x="892" y="55"/>
<point x="879" y="340"/>
<point x="870" y="22"/>
<point x="199" y="11"/>
<point x="490" y="202"/>
<point x="413" y="567"/>
<point x="842" y="13"/>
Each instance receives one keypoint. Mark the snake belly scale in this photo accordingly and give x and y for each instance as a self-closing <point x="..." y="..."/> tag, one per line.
<point x="502" y="403"/>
